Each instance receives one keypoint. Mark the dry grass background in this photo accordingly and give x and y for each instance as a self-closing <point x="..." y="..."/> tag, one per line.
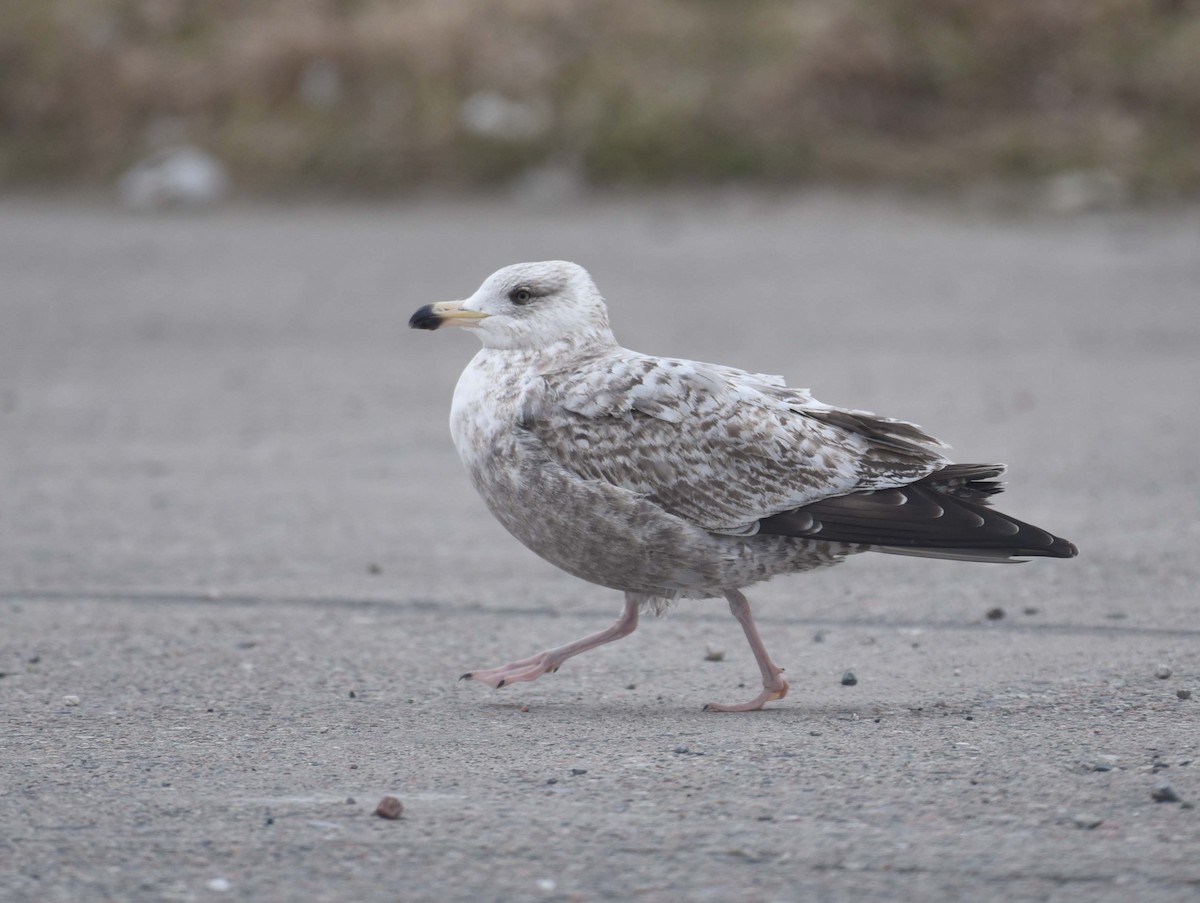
<point x="368" y="95"/>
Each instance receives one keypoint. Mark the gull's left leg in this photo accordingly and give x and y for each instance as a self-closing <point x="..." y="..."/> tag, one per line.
<point x="774" y="686"/>
<point x="549" y="661"/>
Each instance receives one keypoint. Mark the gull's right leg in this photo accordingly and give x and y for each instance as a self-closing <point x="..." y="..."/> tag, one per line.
<point x="551" y="660"/>
<point x="774" y="686"/>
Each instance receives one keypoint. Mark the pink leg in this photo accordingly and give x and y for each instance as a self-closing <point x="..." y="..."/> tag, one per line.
<point x="549" y="661"/>
<point x="774" y="686"/>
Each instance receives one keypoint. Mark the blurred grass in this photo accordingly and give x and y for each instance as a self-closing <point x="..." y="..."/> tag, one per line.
<point x="367" y="95"/>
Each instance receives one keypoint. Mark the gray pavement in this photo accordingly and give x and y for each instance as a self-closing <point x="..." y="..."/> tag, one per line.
<point x="241" y="569"/>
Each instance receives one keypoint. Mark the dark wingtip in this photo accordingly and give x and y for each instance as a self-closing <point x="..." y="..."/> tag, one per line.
<point x="425" y="318"/>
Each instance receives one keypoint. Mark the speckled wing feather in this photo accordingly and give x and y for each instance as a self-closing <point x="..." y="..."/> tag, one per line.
<point x="719" y="447"/>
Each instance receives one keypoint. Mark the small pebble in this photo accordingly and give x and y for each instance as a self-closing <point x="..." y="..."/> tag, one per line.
<point x="353" y="695"/>
<point x="1105" y="763"/>
<point x="373" y="568"/>
<point x="1183" y="694"/>
<point x="848" y="679"/>
<point x="1087" y="821"/>
<point x="819" y="636"/>
<point x="631" y="686"/>
<point x="995" y="614"/>
<point x="389" y="807"/>
<point x="219" y="885"/>
<point x="681" y="750"/>
<point x="1164" y="793"/>
<point x="70" y="700"/>
<point x="1030" y="610"/>
<point x="1162" y="672"/>
<point x="578" y="771"/>
<point x="713" y="653"/>
<point x="552" y="781"/>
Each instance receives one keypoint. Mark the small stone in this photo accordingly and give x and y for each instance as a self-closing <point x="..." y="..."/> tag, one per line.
<point x="1183" y="694"/>
<point x="552" y="781"/>
<point x="374" y="569"/>
<point x="389" y="807"/>
<point x="350" y="801"/>
<point x="631" y="686"/>
<point x="70" y="700"/>
<point x="353" y="695"/>
<point x="578" y="771"/>
<point x="848" y="679"/>
<point x="219" y="885"/>
<point x="1087" y="821"/>
<point x="1162" y="672"/>
<point x="819" y="636"/>
<point x="681" y="750"/>
<point x="995" y="614"/>
<point x="1105" y="763"/>
<point x="1164" y="793"/>
<point x="1030" y="610"/>
<point x="713" y="653"/>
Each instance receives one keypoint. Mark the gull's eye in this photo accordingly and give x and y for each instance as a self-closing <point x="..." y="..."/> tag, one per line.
<point x="520" y="295"/>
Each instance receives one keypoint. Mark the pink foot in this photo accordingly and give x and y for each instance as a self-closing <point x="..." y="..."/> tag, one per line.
<point x="514" y="672"/>
<point x="551" y="660"/>
<point x="768" y="693"/>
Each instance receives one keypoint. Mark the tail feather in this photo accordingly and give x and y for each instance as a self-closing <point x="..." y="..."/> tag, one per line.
<point x="944" y="515"/>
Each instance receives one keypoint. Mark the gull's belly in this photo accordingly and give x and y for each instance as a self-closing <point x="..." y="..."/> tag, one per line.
<point x="594" y="530"/>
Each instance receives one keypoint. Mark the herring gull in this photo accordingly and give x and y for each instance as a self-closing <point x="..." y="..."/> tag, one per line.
<point x="669" y="478"/>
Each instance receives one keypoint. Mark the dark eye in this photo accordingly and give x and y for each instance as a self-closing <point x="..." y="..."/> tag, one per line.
<point x="520" y="296"/>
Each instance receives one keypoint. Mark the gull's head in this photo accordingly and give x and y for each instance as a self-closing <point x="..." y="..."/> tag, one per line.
<point x="527" y="305"/>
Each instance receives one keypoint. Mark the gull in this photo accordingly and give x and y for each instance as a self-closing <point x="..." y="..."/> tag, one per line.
<point x="667" y="478"/>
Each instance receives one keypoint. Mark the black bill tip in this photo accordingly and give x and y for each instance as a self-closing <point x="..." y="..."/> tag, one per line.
<point x="425" y="318"/>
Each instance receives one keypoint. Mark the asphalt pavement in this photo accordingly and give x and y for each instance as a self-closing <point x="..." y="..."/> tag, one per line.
<point x="241" y="568"/>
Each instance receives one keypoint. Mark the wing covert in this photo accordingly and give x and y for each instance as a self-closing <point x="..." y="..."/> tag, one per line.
<point x="719" y="447"/>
